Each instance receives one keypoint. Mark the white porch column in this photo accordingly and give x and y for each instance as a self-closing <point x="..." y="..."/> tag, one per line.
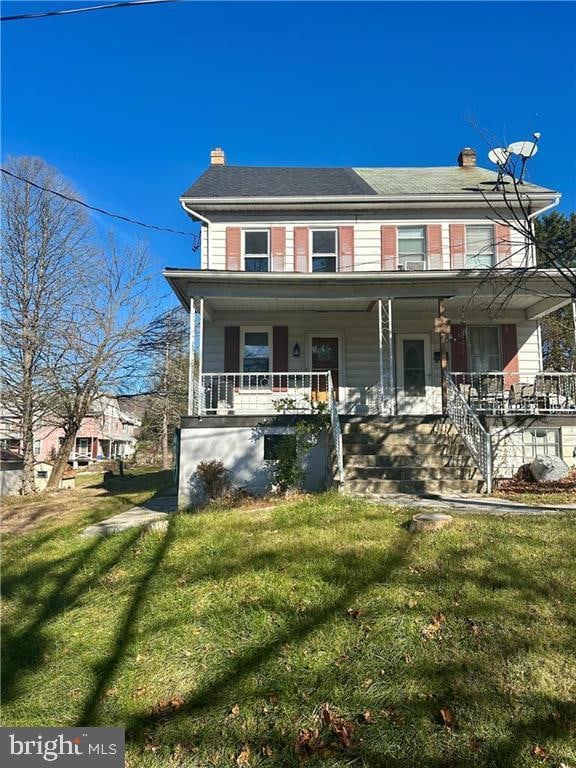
<point x="199" y="392"/>
<point x="386" y="358"/>
<point x="192" y="359"/>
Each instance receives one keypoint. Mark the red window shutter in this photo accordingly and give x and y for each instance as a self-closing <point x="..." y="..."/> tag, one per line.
<point x="503" y="245"/>
<point x="280" y="357"/>
<point x="458" y="348"/>
<point x="278" y="249"/>
<point x="231" y="348"/>
<point x="346" y="249"/>
<point x="94" y="447"/>
<point x="389" y="247"/>
<point x="434" y="242"/>
<point x="233" y="248"/>
<point x="509" y="342"/>
<point x="457" y="246"/>
<point x="301" y="238"/>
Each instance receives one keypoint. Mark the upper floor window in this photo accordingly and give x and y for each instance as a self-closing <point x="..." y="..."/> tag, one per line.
<point x="411" y="248"/>
<point x="479" y="246"/>
<point x="324" y="250"/>
<point x="257" y="250"/>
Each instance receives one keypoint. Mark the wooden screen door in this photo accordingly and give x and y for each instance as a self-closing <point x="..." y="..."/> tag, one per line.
<point x="325" y="357"/>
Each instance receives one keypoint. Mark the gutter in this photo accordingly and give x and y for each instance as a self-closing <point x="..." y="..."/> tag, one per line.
<point x="200" y="217"/>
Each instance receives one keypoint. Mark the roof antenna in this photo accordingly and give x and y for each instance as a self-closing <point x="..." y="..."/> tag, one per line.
<point x="500" y="157"/>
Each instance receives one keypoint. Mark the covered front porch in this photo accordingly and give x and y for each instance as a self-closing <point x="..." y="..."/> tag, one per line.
<point x="373" y="344"/>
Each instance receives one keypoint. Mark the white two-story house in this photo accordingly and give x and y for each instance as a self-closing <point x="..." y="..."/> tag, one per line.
<point x="400" y="297"/>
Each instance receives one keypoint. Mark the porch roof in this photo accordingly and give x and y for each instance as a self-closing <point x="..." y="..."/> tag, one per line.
<point x="530" y="292"/>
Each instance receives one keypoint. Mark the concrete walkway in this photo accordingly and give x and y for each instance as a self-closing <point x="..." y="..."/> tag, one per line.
<point x="152" y="515"/>
<point x="470" y="505"/>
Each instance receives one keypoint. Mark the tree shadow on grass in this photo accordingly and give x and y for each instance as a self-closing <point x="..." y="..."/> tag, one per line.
<point x="24" y="649"/>
<point x="297" y="632"/>
<point x="125" y="633"/>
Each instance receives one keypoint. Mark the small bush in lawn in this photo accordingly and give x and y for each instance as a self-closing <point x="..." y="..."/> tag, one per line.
<point x="214" y="478"/>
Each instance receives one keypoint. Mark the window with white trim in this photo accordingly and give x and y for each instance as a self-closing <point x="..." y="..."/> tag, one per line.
<point x="540" y="442"/>
<point x="37" y="447"/>
<point x="324" y="250"/>
<point x="479" y="246"/>
<point x="484" y="348"/>
<point x="83" y="446"/>
<point x="412" y="248"/>
<point x="256" y="250"/>
<point x="256" y="353"/>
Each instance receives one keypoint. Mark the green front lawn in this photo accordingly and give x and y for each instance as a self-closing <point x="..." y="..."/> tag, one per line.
<point x="319" y="633"/>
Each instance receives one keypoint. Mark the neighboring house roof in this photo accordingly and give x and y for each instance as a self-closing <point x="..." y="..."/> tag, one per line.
<point x="232" y="181"/>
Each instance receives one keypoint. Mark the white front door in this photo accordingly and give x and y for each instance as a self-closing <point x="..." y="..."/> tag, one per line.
<point x="415" y="393"/>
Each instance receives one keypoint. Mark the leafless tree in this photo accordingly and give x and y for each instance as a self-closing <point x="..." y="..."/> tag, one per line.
<point x="98" y="350"/>
<point x="46" y="241"/>
<point x="165" y="345"/>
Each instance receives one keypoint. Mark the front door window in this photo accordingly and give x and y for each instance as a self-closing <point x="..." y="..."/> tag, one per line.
<point x="325" y="358"/>
<point x="414" y="367"/>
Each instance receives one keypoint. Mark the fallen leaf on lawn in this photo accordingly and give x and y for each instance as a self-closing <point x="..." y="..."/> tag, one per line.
<point x="540" y="752"/>
<point x="412" y="603"/>
<point x="354" y="613"/>
<point x="267" y="751"/>
<point x="341" y="729"/>
<point x="307" y="742"/>
<point x="473" y="628"/>
<point x="112" y="692"/>
<point x="243" y="757"/>
<point x="368" y="717"/>
<point x="273" y="697"/>
<point x="367" y="683"/>
<point x="149" y="747"/>
<point x="447" y="717"/>
<point x="432" y="629"/>
<point x="167" y="706"/>
<point x="140" y="691"/>
<point x="235" y="710"/>
<point x="408" y="658"/>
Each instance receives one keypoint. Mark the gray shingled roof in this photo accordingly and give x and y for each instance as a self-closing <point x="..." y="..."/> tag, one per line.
<point x="227" y="181"/>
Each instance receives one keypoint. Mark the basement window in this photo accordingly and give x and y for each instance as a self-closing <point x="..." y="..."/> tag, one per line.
<point x="540" y="442"/>
<point x="256" y="251"/>
<point x="276" y="442"/>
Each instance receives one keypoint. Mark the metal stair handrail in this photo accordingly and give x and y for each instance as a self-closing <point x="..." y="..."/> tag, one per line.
<point x="476" y="437"/>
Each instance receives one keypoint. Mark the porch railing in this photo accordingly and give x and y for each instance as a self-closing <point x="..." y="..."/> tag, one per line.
<point x="515" y="393"/>
<point x="468" y="424"/>
<point x="254" y="394"/>
<point x="336" y="432"/>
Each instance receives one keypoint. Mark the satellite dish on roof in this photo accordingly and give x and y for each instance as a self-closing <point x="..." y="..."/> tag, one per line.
<point x="525" y="149"/>
<point x="498" y="156"/>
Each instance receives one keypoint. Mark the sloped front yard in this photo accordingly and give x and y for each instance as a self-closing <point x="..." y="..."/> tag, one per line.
<point x="315" y="633"/>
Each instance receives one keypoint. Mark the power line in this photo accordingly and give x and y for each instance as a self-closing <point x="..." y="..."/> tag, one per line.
<point x="124" y="4"/>
<point x="102" y="211"/>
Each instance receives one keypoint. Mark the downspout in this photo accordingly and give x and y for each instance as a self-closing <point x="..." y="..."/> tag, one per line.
<point x="206" y="221"/>
<point x="532" y="216"/>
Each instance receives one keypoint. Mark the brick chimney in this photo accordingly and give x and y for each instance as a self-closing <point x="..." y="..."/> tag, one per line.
<point x="217" y="157"/>
<point x="467" y="158"/>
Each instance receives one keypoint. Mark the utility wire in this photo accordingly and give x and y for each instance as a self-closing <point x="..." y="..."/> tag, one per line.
<point x="102" y="211"/>
<point x="124" y="4"/>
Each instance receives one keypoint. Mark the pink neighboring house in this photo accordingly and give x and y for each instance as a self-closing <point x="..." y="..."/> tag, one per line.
<point x="107" y="433"/>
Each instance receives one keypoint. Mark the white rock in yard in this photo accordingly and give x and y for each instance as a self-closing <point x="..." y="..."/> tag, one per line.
<point x="548" y="468"/>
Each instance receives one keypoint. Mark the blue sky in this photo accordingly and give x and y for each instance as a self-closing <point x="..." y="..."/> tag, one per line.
<point x="128" y="103"/>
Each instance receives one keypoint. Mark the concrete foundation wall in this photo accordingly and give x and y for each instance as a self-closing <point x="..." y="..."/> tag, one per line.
<point x="241" y="450"/>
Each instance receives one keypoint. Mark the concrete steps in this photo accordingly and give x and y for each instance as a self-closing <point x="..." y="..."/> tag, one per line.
<point x="415" y="455"/>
